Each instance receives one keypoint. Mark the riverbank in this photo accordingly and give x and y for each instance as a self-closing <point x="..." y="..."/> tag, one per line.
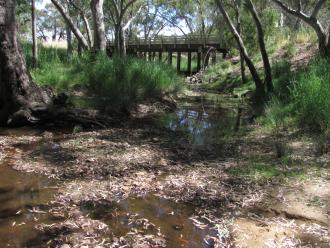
<point x="193" y="178"/>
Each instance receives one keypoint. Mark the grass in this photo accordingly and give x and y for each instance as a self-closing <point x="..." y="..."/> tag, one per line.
<point x="117" y="84"/>
<point x="258" y="171"/>
<point x="124" y="82"/>
<point x="301" y="98"/>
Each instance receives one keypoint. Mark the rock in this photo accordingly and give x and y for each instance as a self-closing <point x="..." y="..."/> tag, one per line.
<point x="65" y="246"/>
<point x="47" y="135"/>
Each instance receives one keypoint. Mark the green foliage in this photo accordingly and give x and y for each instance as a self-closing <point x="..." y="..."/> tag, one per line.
<point x="303" y="95"/>
<point x="263" y="171"/>
<point x="46" y="55"/>
<point x="311" y="95"/>
<point x="116" y="83"/>
<point x="125" y="81"/>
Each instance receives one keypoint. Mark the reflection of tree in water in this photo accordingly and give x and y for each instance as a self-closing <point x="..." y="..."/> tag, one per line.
<point x="204" y="126"/>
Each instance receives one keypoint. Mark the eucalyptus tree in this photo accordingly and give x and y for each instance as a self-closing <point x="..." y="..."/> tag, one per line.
<point x="262" y="45"/>
<point x="71" y="24"/>
<point x="150" y="23"/>
<point x="312" y="19"/>
<point x="49" y="21"/>
<point x="34" y="34"/>
<point x="98" y="24"/>
<point x="197" y="16"/>
<point x="122" y="18"/>
<point x="84" y="11"/>
<point x="20" y="98"/>
<point x="260" y="90"/>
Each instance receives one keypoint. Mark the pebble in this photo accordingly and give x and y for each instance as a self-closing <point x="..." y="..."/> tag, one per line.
<point x="65" y="246"/>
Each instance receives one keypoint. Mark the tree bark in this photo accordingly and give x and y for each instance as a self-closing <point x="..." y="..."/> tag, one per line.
<point x="20" y="98"/>
<point x="260" y="91"/>
<point x="239" y="29"/>
<point x="88" y="30"/>
<point x="262" y="46"/>
<point x="34" y="35"/>
<point x="81" y="39"/>
<point x="99" y="29"/>
<point x="22" y="102"/>
<point x="120" y="48"/>
<point x="69" y="42"/>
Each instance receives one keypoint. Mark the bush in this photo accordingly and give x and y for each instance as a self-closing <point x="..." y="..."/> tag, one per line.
<point x="311" y="96"/>
<point x="116" y="83"/>
<point x="46" y="55"/>
<point x="126" y="81"/>
<point x="303" y="95"/>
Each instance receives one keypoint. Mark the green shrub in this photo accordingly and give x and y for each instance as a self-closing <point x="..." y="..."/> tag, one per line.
<point x="303" y="95"/>
<point x="311" y="96"/>
<point x="116" y="83"/>
<point x="126" y="81"/>
<point x="282" y="80"/>
<point x="46" y="55"/>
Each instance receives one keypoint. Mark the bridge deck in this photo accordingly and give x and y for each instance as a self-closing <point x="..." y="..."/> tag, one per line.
<point x="175" y="44"/>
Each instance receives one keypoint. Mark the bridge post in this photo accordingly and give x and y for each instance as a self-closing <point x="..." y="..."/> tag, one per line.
<point x="170" y="57"/>
<point x="153" y="56"/>
<point x="214" y="57"/>
<point x="160" y="55"/>
<point x="149" y="56"/>
<point x="178" y="62"/>
<point x="189" y="63"/>
<point x="199" y="59"/>
<point x="206" y="57"/>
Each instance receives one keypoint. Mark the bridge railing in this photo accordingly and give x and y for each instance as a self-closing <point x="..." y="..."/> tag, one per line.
<point x="172" y="40"/>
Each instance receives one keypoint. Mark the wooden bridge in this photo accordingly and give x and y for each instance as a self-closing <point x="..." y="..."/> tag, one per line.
<point x="193" y="47"/>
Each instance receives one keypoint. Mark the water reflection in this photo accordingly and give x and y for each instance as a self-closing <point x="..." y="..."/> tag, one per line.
<point x="204" y="122"/>
<point x="23" y="198"/>
<point x="172" y="219"/>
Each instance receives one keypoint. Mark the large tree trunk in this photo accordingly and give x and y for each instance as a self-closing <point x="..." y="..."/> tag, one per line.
<point x="69" y="42"/>
<point x="22" y="102"/>
<point x="19" y="96"/>
<point x="262" y="46"/>
<point x="34" y="35"/>
<point x="260" y="91"/>
<point x="99" y="29"/>
<point x="120" y="48"/>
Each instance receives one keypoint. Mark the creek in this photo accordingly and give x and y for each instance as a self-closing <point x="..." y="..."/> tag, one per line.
<point x="205" y="119"/>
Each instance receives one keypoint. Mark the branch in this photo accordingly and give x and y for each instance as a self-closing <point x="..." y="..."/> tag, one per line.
<point x="117" y="11"/>
<point x="126" y="7"/>
<point x="70" y="23"/>
<point x="128" y="23"/>
<point x="317" y="8"/>
<point x="293" y="12"/>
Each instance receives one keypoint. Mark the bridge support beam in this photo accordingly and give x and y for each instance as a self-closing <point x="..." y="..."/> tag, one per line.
<point x="199" y="61"/>
<point x="206" y="57"/>
<point x="214" y="57"/>
<point x="160" y="56"/>
<point x="178" y="62"/>
<point x="170" y="57"/>
<point x="189" y="63"/>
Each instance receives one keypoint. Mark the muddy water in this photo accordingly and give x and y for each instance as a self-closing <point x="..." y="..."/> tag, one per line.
<point x="170" y="219"/>
<point x="204" y="118"/>
<point x="24" y="197"/>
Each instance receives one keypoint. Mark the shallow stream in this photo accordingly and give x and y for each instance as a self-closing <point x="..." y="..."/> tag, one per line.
<point x="24" y="196"/>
